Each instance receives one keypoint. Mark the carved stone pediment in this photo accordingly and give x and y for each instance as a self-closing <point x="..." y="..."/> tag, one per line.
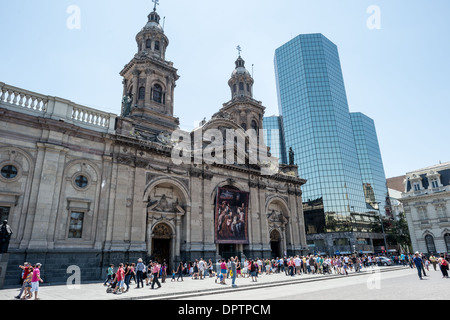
<point x="164" y="205"/>
<point x="277" y="218"/>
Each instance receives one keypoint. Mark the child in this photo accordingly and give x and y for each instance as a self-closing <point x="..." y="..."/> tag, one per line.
<point x="173" y="276"/>
<point x="218" y="274"/>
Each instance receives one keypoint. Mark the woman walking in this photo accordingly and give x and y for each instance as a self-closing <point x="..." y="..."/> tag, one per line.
<point x="140" y="268"/>
<point x="180" y="270"/>
<point x="127" y="275"/>
<point x="443" y="264"/>
<point x="163" y="272"/>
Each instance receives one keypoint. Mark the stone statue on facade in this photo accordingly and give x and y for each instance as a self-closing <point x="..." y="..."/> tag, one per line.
<point x="291" y="156"/>
<point x="127" y="101"/>
<point x="5" y="235"/>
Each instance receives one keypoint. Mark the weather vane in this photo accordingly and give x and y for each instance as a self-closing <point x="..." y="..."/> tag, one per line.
<point x="156" y="4"/>
<point x="239" y="50"/>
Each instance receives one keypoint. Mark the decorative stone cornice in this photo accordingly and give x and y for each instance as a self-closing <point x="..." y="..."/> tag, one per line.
<point x="406" y="198"/>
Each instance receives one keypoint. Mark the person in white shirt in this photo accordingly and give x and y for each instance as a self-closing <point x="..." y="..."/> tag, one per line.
<point x="259" y="262"/>
<point x="201" y="268"/>
<point x="308" y="268"/>
<point x="298" y="264"/>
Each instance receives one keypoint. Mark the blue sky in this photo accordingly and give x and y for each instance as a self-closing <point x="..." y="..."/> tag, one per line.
<point x="397" y="75"/>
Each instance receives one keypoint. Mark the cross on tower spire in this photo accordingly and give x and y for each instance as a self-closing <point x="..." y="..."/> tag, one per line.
<point x="156" y="4"/>
<point x="239" y="49"/>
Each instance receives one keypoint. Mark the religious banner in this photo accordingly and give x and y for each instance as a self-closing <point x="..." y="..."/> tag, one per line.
<point x="231" y="216"/>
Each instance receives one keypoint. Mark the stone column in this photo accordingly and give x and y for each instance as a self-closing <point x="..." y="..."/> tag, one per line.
<point x="136" y="86"/>
<point x="148" y="87"/>
<point x="149" y="234"/>
<point x="177" y="240"/>
<point x="252" y="215"/>
<point x="105" y="192"/>
<point x="138" y="212"/>
<point x="47" y="193"/>
<point x="4" y="258"/>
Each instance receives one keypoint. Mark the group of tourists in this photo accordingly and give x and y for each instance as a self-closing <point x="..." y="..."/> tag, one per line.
<point x="119" y="280"/>
<point x="30" y="279"/>
<point x="421" y="262"/>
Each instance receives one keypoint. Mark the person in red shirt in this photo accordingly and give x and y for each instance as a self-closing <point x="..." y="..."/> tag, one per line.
<point x="27" y="268"/>
<point x="120" y="277"/>
<point x="155" y="271"/>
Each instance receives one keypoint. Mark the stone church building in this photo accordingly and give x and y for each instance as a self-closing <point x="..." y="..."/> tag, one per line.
<point x="83" y="187"/>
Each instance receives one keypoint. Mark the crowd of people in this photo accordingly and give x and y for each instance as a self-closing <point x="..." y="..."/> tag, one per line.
<point x="118" y="280"/>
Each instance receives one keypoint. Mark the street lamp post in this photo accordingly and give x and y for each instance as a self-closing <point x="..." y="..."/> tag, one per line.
<point x="382" y="226"/>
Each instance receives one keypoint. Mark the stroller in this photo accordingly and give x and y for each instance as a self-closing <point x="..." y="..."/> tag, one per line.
<point x="111" y="285"/>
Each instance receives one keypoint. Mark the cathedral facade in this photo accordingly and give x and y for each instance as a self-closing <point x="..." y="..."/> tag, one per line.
<point x="82" y="187"/>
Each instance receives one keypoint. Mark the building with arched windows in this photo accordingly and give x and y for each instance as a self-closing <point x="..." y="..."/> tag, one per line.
<point x="425" y="201"/>
<point x="84" y="187"/>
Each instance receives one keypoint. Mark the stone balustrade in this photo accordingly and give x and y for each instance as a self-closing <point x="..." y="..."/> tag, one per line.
<point x="23" y="98"/>
<point x="20" y="100"/>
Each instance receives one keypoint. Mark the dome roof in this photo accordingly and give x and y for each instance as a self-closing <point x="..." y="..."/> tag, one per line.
<point x="153" y="22"/>
<point x="153" y="25"/>
<point x="239" y="71"/>
<point x="240" y="68"/>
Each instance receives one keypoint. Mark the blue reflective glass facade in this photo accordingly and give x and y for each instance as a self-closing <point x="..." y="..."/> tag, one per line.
<point x="274" y="138"/>
<point x="318" y="126"/>
<point x="370" y="161"/>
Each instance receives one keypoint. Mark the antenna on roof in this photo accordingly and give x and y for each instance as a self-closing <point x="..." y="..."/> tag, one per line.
<point x="164" y="22"/>
<point x="252" y="70"/>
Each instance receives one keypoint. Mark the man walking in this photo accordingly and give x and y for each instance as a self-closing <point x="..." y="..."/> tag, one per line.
<point x="418" y="262"/>
<point x="155" y="273"/>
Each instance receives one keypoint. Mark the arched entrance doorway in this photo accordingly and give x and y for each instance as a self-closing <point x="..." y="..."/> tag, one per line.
<point x="161" y="243"/>
<point x="275" y="243"/>
<point x="166" y="207"/>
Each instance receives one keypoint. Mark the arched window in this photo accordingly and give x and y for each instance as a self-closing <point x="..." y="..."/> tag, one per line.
<point x="430" y="244"/>
<point x="244" y="126"/>
<point x="142" y="93"/>
<point x="241" y="86"/>
<point x="248" y="87"/>
<point x="148" y="43"/>
<point x="234" y="87"/>
<point x="156" y="45"/>
<point x="447" y="241"/>
<point x="157" y="93"/>
<point x="254" y="125"/>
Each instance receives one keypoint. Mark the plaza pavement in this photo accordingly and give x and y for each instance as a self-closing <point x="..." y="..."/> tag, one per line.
<point x="178" y="290"/>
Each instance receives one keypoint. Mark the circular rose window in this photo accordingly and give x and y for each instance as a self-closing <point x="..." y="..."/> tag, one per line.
<point x="9" y="172"/>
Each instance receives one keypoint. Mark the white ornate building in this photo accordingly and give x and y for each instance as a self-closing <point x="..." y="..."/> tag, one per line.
<point x="84" y="187"/>
<point x="426" y="201"/>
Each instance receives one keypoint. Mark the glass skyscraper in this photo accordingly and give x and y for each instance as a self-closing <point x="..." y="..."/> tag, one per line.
<point x="370" y="161"/>
<point x="335" y="151"/>
<point x="274" y="138"/>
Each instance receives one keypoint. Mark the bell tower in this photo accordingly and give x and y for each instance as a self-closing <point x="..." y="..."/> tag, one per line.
<point x="243" y="108"/>
<point x="149" y="81"/>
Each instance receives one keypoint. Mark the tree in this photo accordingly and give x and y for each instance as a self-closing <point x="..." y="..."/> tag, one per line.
<point x="399" y="232"/>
